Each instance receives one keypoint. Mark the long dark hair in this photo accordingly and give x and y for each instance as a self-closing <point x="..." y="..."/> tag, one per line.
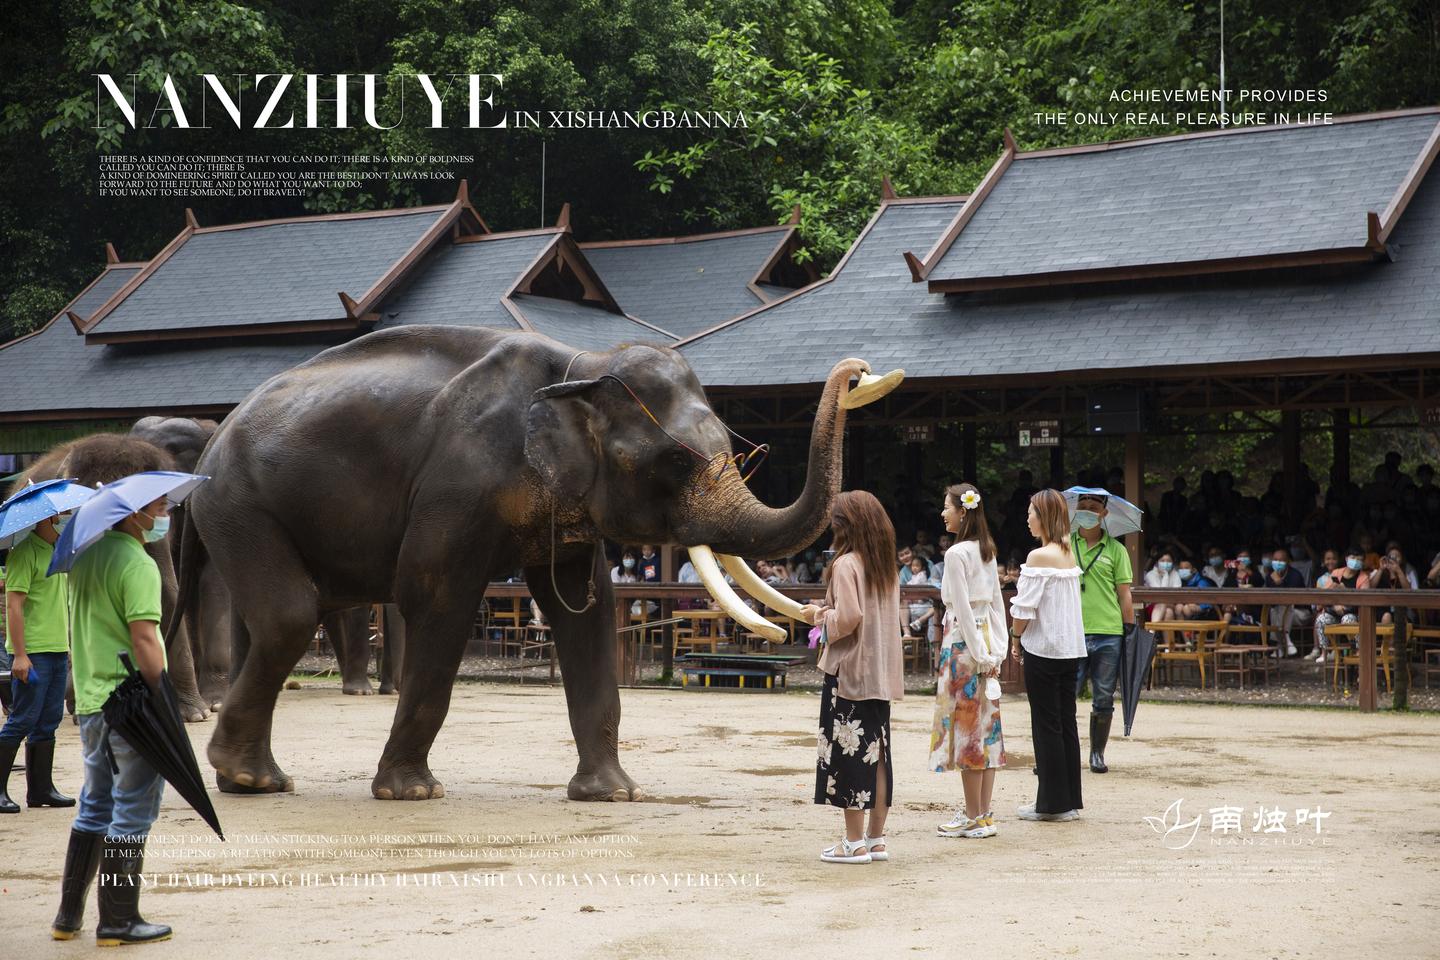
<point x="861" y="526"/>
<point x="973" y="525"/>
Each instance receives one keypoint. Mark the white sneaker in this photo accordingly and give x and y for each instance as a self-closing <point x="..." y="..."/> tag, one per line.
<point x="1318" y="655"/>
<point x="1028" y="812"/>
<point x="1290" y="650"/>
<point x="958" y="825"/>
<point x="984" y="827"/>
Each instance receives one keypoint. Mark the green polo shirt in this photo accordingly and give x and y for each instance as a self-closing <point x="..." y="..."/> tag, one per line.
<point x="44" y="609"/>
<point x="112" y="585"/>
<point x="1099" y="603"/>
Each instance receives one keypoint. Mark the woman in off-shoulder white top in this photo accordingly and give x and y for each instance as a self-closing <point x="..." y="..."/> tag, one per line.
<point x="1050" y="630"/>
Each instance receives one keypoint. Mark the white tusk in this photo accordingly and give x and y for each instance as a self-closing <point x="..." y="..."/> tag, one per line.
<point x="750" y="581"/>
<point x="704" y="562"/>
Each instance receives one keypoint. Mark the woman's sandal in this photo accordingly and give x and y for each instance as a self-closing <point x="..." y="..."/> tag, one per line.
<point x="872" y="843"/>
<point x="844" y="852"/>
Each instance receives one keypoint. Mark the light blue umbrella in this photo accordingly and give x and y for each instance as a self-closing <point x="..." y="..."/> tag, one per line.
<point x="113" y="503"/>
<point x="1123" y="516"/>
<point x="35" y="502"/>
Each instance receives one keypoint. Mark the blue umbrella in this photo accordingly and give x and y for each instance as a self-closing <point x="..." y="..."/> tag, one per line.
<point x="113" y="503"/>
<point x="35" y="502"/>
<point x="1123" y="516"/>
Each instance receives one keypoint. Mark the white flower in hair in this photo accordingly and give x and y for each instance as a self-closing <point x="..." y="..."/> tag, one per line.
<point x="969" y="499"/>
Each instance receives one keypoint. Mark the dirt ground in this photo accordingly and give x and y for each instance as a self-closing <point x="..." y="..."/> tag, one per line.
<point x="721" y="861"/>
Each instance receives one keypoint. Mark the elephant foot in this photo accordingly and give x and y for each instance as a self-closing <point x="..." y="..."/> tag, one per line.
<point x="607" y="783"/>
<point x="193" y="711"/>
<point x="358" y="688"/>
<point x="387" y="687"/>
<point x="406" y="782"/>
<point x="238" y="772"/>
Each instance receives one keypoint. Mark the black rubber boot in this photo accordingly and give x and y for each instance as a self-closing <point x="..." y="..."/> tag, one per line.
<point x="8" y="749"/>
<point x="119" y="895"/>
<point x="39" y="777"/>
<point x="1099" y="736"/>
<point x="82" y="862"/>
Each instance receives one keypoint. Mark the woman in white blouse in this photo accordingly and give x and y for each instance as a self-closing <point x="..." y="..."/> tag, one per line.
<point x="966" y="735"/>
<point x="1162" y="575"/>
<point x="1049" y="639"/>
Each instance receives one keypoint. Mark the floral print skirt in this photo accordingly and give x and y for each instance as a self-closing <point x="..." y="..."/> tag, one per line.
<point x="966" y="732"/>
<point x="854" y="744"/>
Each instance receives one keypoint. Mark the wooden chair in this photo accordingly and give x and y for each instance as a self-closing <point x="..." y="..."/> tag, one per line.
<point x="538" y="639"/>
<point x="1427" y="651"/>
<point x="1345" y="645"/>
<point x="1244" y="652"/>
<point x="1171" y="646"/>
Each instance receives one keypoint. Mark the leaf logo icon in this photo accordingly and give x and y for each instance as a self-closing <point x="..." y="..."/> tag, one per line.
<point x="1172" y="830"/>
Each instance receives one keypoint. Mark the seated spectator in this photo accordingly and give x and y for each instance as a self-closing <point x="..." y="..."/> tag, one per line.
<point x="1242" y="575"/>
<point x="1352" y="576"/>
<point x="1394" y="575"/>
<point x="806" y="570"/>
<point x="905" y="556"/>
<point x="780" y="574"/>
<point x="924" y="546"/>
<point x="937" y="567"/>
<point x="920" y="611"/>
<point x="1162" y="575"/>
<point x="1393" y="551"/>
<point x="1010" y="573"/>
<point x="1193" y="579"/>
<point x="1215" y="569"/>
<point x="624" y="572"/>
<point x="649" y="564"/>
<point x="1282" y="576"/>
<point x="1329" y="560"/>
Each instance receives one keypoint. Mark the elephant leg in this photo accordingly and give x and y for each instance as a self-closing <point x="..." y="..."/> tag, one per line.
<point x="275" y="611"/>
<point x="209" y="627"/>
<point x="585" y="647"/>
<point x="404" y="772"/>
<point x="180" y="661"/>
<point x="349" y="633"/>
<point x="392" y="655"/>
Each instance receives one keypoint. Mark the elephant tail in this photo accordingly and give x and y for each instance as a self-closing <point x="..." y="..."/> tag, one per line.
<point x="192" y="560"/>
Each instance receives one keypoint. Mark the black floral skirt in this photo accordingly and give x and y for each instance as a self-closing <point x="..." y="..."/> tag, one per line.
<point x="854" y="745"/>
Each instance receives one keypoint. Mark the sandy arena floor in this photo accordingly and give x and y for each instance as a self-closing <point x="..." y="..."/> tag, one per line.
<point x="722" y="860"/>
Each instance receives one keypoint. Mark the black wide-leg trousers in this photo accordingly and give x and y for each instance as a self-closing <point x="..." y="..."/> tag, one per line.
<point x="1050" y="686"/>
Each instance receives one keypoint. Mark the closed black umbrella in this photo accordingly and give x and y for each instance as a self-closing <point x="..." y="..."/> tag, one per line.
<point x="1137" y="649"/>
<point x="149" y="720"/>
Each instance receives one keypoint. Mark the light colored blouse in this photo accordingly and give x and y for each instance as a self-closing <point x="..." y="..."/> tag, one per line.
<point x="1050" y="596"/>
<point x="1167" y="579"/>
<point x="862" y="630"/>
<point x="971" y="592"/>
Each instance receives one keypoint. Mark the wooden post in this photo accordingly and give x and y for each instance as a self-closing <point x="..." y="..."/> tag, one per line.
<point x="1290" y="454"/>
<point x="1366" y="639"/>
<point x="1340" y="445"/>
<point x="624" y="660"/>
<point x="1135" y="493"/>
<point x="968" y="460"/>
<point x="854" y="457"/>
<point x="669" y="573"/>
<point x="1057" y="467"/>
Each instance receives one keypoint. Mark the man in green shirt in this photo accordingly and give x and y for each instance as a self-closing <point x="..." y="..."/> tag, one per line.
<point x="1106" y="608"/>
<point x="115" y="587"/>
<point x="38" y="641"/>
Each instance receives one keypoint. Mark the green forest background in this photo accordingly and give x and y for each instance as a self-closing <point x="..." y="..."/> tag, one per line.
<point x="839" y="93"/>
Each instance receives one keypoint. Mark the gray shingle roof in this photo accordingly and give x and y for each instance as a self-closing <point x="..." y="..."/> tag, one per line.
<point x="583" y="326"/>
<point x="276" y="273"/>
<point x="1238" y="195"/>
<point x="1377" y="309"/>
<point x="688" y="286"/>
<point x="462" y="283"/>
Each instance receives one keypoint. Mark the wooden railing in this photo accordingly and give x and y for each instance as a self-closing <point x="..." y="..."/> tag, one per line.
<point x="1366" y="601"/>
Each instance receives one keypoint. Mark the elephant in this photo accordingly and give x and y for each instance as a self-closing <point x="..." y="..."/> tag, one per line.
<point x="416" y="464"/>
<point x="101" y="458"/>
<point x="349" y="634"/>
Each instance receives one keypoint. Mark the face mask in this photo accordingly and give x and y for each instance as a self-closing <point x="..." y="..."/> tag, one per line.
<point x="1164" y="566"/>
<point x="1087" y="519"/>
<point x="60" y="524"/>
<point x="1243" y="561"/>
<point x="1186" y="574"/>
<point x="1279" y="565"/>
<point x="1354" y="563"/>
<point x="158" y="531"/>
<point x="1265" y="564"/>
<point x="1217" y="560"/>
<point x="628" y="562"/>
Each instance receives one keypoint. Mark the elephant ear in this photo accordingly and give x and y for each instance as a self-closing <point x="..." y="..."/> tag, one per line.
<point x="561" y="443"/>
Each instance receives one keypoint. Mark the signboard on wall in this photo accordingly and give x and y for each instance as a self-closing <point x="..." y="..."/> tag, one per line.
<point x="920" y="433"/>
<point x="1039" y="433"/>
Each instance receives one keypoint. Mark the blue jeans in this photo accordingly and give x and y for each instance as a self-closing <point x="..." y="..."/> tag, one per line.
<point x="122" y="804"/>
<point x="1102" y="664"/>
<point x="38" y="705"/>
